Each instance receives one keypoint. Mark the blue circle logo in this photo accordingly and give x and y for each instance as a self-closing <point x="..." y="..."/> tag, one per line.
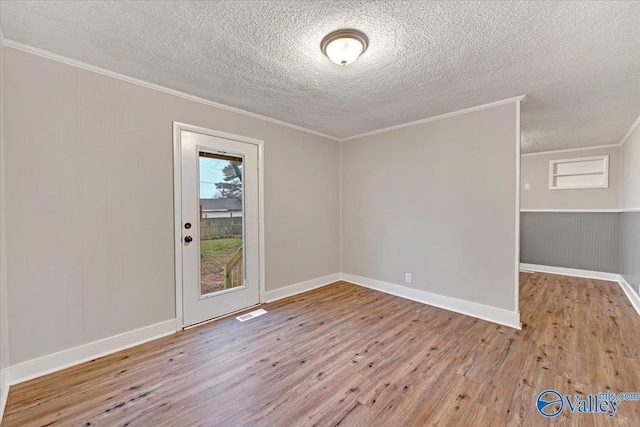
<point x="549" y="403"/>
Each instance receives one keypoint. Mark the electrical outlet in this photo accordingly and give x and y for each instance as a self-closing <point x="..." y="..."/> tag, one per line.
<point x="407" y="277"/>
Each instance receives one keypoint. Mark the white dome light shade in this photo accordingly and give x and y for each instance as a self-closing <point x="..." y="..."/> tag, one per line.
<point x="344" y="46"/>
<point x="344" y="51"/>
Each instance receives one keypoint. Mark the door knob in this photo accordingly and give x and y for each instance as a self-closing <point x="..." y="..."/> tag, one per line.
<point x="188" y="239"/>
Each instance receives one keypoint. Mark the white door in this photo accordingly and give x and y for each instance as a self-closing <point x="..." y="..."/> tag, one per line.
<point x="219" y="230"/>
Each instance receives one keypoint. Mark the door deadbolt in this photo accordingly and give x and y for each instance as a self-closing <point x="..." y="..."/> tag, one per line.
<point x="187" y="225"/>
<point x="188" y="239"/>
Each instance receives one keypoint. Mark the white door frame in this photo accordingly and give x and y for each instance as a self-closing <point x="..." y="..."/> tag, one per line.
<point x="177" y="205"/>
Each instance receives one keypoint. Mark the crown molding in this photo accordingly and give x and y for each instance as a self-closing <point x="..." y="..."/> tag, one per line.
<point x="630" y="131"/>
<point x="149" y="85"/>
<point x="596" y="147"/>
<point x="88" y="67"/>
<point x="568" y="150"/>
<point x="520" y="98"/>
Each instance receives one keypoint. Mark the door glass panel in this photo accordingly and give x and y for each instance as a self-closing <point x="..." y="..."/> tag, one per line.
<point x="221" y="222"/>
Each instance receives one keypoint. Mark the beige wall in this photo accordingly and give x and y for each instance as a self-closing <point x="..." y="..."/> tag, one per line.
<point x="630" y="150"/>
<point x="89" y="189"/>
<point x="535" y="171"/>
<point x="437" y="200"/>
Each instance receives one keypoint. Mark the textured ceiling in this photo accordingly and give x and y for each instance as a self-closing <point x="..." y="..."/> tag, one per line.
<point x="577" y="62"/>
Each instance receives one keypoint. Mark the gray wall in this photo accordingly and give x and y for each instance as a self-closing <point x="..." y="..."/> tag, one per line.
<point x="89" y="190"/>
<point x="582" y="240"/>
<point x="608" y="242"/>
<point x="535" y="171"/>
<point x="585" y="240"/>
<point x="437" y="200"/>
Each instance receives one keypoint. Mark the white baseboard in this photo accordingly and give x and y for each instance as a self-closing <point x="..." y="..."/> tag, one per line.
<point x="633" y="296"/>
<point x="35" y="368"/>
<point x="4" y="392"/>
<point x="480" y="311"/>
<point x="55" y="362"/>
<point x="587" y="274"/>
<point x="298" y="288"/>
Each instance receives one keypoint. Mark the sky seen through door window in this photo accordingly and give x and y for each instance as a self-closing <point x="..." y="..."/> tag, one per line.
<point x="211" y="174"/>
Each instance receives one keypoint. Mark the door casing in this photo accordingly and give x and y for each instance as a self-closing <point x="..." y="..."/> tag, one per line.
<point x="177" y="211"/>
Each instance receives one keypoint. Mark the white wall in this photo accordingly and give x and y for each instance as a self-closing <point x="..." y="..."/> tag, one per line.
<point x="630" y="151"/>
<point x="535" y="171"/>
<point x="437" y="200"/>
<point x="95" y="153"/>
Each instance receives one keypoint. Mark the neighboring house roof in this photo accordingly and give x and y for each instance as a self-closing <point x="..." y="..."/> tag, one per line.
<point x="220" y="205"/>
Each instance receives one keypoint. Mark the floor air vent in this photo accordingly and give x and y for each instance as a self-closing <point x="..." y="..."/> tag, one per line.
<point x="251" y="315"/>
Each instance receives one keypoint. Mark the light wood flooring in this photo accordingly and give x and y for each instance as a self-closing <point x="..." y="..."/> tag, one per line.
<point x="349" y="356"/>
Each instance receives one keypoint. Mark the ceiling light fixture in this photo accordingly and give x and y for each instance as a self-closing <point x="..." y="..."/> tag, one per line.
<point x="344" y="46"/>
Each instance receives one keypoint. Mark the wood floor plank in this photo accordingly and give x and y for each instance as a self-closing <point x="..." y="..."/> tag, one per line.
<point x="350" y="356"/>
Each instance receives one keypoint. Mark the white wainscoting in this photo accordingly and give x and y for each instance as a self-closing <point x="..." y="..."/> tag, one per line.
<point x="480" y="311"/>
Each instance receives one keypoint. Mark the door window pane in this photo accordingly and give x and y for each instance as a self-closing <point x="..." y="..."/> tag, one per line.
<point x="221" y="222"/>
